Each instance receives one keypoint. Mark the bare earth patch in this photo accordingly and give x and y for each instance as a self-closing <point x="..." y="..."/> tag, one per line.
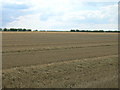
<point x="99" y="72"/>
<point x="59" y="60"/>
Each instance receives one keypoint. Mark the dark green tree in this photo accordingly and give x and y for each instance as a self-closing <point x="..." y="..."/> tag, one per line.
<point x="0" y="29"/>
<point x="72" y="30"/>
<point x="5" y="29"/>
<point x="29" y="30"/>
<point x="77" y="30"/>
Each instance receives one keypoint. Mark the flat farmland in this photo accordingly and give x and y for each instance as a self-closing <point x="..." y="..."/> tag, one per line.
<point x="59" y="59"/>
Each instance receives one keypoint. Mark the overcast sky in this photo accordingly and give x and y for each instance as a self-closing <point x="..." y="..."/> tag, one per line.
<point x="60" y="14"/>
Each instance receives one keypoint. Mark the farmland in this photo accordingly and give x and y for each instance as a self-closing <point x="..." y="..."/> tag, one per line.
<point x="59" y="59"/>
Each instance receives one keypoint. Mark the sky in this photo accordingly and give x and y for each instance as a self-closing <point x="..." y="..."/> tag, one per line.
<point x="59" y="14"/>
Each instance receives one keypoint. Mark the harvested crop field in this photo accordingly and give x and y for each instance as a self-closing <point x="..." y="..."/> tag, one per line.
<point x="60" y="60"/>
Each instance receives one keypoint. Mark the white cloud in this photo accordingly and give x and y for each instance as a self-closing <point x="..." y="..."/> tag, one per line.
<point x="33" y="22"/>
<point x="64" y="14"/>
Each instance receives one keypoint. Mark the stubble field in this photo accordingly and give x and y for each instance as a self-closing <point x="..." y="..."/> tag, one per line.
<point x="60" y="60"/>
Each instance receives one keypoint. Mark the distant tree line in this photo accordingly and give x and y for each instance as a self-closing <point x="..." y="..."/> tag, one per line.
<point x="92" y="31"/>
<point x="72" y="30"/>
<point x="14" y="29"/>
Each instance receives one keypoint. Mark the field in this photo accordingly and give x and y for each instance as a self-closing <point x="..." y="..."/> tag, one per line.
<point x="60" y="60"/>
